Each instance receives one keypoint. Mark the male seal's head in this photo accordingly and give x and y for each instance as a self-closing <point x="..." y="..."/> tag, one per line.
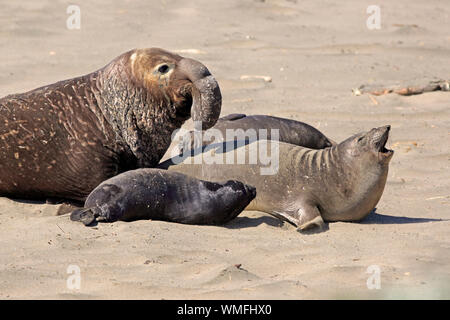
<point x="185" y="82"/>
<point x="148" y="93"/>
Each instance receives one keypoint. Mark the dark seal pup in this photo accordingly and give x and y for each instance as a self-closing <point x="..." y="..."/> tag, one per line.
<point x="289" y="131"/>
<point x="341" y="183"/>
<point x="162" y="195"/>
<point x="62" y="140"/>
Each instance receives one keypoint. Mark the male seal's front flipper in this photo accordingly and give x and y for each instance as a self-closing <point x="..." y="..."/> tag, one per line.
<point x="84" y="215"/>
<point x="309" y="217"/>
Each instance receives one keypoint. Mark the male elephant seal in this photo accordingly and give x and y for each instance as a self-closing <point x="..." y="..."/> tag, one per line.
<point x="162" y="195"/>
<point x="62" y="140"/>
<point x="341" y="183"/>
<point x="259" y="127"/>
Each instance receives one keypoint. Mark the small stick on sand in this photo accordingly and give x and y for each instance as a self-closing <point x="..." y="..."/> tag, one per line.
<point x="435" y="85"/>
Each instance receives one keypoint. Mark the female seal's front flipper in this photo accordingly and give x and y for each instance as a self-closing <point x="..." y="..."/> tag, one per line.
<point x="309" y="217"/>
<point x="305" y="218"/>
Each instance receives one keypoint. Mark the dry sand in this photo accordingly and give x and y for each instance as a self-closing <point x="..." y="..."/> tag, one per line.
<point x="315" y="52"/>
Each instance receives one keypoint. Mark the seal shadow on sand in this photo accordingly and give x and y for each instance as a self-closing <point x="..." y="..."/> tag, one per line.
<point x="251" y="222"/>
<point x="62" y="206"/>
<point x="377" y="218"/>
<point x="372" y="218"/>
<point x="247" y="222"/>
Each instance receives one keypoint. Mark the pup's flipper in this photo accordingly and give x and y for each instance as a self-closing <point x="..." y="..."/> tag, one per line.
<point x="84" y="215"/>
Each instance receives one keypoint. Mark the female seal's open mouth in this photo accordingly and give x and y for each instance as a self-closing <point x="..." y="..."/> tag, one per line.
<point x="381" y="139"/>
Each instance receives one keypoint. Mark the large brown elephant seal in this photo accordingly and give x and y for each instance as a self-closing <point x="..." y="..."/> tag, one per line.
<point x="253" y="127"/>
<point x="162" y="195"/>
<point x="62" y="140"/>
<point x="341" y="183"/>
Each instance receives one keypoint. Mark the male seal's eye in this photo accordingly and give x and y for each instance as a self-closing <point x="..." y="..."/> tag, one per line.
<point x="163" y="69"/>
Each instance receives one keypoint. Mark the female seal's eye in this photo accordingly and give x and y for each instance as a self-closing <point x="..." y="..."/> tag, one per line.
<point x="163" y="68"/>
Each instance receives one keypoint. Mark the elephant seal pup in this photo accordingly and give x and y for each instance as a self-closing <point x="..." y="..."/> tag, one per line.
<point x="64" y="139"/>
<point x="162" y="195"/>
<point x="289" y="131"/>
<point x="341" y="183"/>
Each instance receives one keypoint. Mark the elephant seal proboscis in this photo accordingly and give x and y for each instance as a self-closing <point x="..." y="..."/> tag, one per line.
<point x="163" y="195"/>
<point x="62" y="140"/>
<point x="251" y="127"/>
<point x="341" y="183"/>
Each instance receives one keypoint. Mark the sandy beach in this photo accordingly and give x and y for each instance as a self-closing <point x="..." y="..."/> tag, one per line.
<point x="309" y="55"/>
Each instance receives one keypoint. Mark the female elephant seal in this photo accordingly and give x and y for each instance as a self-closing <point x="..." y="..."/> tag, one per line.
<point x="62" y="140"/>
<point x="255" y="127"/>
<point x="162" y="195"/>
<point x="341" y="183"/>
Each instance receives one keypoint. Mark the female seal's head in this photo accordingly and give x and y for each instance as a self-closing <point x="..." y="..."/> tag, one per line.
<point x="370" y="145"/>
